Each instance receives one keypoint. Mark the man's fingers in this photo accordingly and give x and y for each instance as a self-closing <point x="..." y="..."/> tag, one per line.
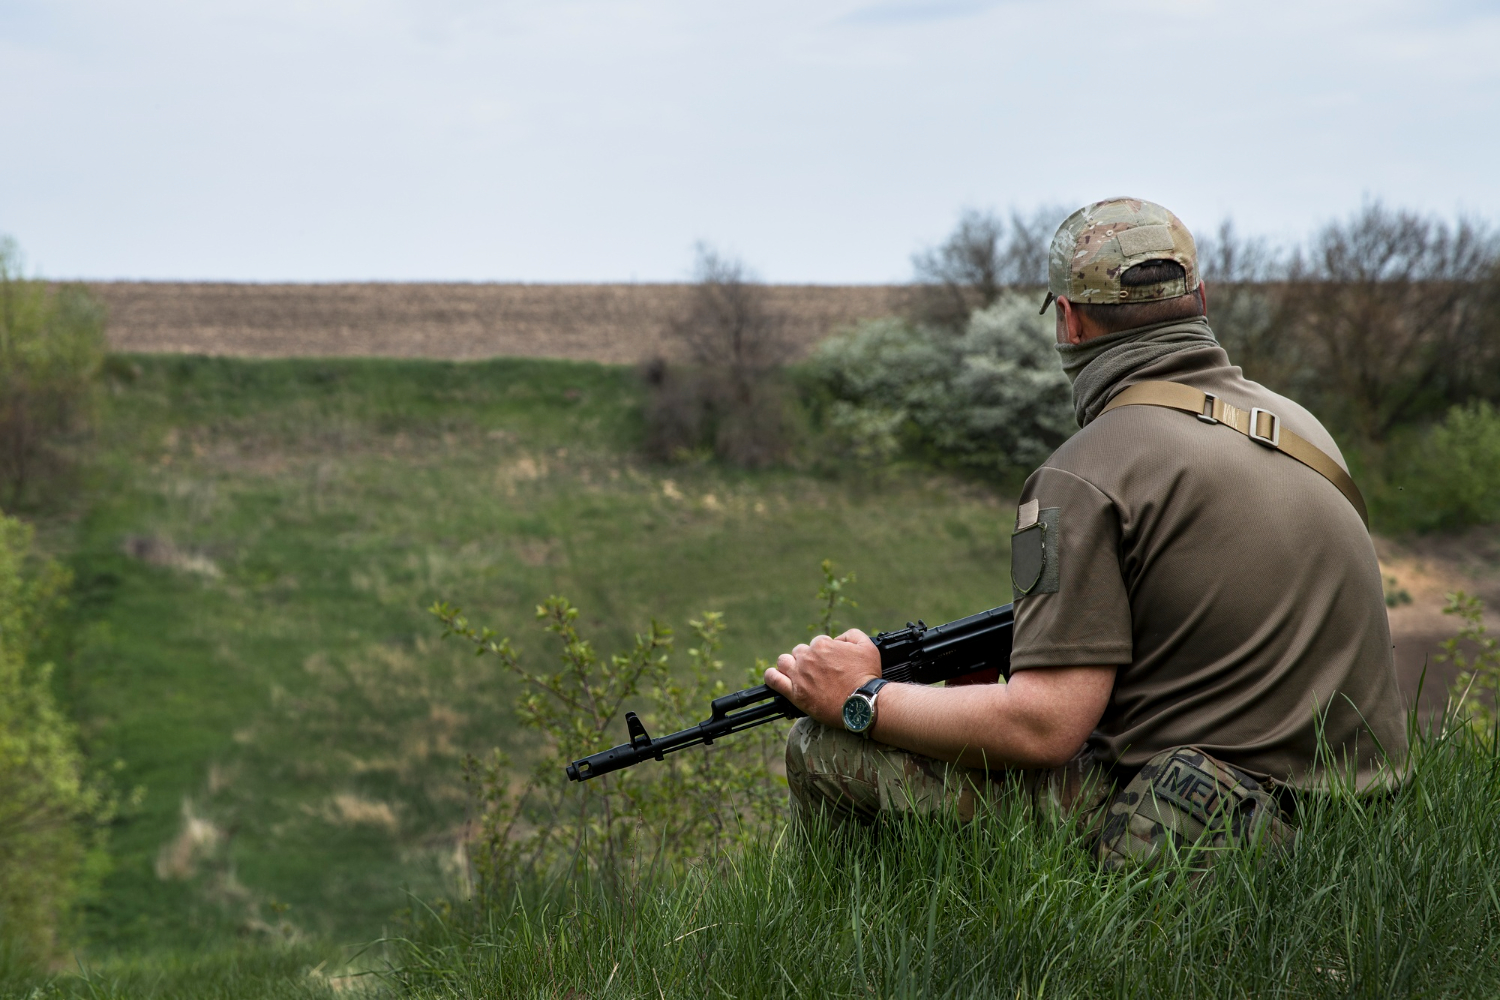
<point x="778" y="681"/>
<point x="786" y="661"/>
<point x="800" y="650"/>
<point x="853" y="635"/>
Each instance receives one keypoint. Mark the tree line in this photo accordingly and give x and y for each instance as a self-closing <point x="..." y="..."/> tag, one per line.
<point x="1386" y="324"/>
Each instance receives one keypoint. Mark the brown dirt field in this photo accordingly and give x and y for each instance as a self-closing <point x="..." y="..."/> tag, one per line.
<point x="611" y="323"/>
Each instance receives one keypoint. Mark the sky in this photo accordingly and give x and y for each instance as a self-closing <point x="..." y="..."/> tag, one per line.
<point x="820" y="141"/>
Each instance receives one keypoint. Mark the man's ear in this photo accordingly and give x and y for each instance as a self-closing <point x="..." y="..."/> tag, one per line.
<point x="1070" y="322"/>
<point x="1203" y="296"/>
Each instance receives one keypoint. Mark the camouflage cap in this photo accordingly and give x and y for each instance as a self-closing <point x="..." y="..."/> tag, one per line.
<point x="1099" y="242"/>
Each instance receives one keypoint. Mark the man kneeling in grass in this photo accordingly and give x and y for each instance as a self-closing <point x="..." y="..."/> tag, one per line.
<point x="1196" y="597"/>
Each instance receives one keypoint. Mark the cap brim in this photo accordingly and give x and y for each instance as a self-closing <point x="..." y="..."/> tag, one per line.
<point x="1045" y="303"/>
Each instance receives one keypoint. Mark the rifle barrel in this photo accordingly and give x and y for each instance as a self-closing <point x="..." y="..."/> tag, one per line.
<point x="764" y="704"/>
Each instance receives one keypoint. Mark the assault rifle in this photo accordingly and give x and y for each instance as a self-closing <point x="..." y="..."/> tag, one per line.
<point x="972" y="650"/>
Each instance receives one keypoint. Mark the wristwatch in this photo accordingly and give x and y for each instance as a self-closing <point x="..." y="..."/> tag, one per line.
<point x="859" y="707"/>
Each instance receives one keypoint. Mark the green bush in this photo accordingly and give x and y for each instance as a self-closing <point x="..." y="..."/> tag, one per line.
<point x="51" y="349"/>
<point x="1447" y="477"/>
<point x="992" y="398"/>
<point x="44" y="798"/>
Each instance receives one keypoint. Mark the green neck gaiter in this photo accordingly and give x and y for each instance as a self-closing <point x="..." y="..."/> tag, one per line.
<point x="1096" y="366"/>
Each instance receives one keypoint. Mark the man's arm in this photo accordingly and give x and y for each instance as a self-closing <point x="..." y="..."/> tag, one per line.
<point x="1039" y="719"/>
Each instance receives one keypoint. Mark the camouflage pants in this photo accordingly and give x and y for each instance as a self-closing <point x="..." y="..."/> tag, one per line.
<point x="1182" y="798"/>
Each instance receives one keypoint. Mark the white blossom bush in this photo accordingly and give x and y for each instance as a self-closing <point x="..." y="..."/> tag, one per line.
<point x="994" y="398"/>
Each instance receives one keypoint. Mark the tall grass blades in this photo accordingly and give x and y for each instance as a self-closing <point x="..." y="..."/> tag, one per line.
<point x="1385" y="897"/>
<point x="241" y="972"/>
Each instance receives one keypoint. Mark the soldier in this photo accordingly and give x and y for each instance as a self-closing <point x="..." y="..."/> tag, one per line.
<point x="1196" y="598"/>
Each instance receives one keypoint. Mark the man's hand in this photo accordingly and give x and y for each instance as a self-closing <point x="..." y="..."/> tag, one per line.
<point x="818" y="676"/>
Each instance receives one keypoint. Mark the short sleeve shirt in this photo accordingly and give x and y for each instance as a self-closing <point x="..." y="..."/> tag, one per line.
<point x="1236" y="589"/>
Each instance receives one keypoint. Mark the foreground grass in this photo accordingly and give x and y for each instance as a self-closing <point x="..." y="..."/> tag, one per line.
<point x="241" y="972"/>
<point x="1392" y="898"/>
<point x="255" y="543"/>
<point x="1395" y="899"/>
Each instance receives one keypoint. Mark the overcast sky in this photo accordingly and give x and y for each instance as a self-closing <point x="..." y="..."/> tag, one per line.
<point x="821" y="140"/>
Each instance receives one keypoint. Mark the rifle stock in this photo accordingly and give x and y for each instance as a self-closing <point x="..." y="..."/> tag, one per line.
<point x="970" y="650"/>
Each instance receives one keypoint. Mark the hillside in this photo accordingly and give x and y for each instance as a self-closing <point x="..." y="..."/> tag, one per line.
<point x="253" y="557"/>
<point x="616" y="324"/>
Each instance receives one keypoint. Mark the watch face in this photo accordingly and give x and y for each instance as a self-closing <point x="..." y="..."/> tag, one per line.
<point x="858" y="714"/>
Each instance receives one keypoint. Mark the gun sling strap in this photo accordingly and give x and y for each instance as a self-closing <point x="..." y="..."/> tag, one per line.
<point x="1261" y="426"/>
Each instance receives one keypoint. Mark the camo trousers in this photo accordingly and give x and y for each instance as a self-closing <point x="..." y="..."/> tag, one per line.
<point x="1181" y="799"/>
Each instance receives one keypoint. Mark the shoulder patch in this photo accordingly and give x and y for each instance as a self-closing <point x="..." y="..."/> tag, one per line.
<point x="1034" y="552"/>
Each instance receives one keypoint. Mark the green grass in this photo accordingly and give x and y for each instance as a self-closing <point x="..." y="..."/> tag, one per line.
<point x="1379" y="900"/>
<point x="231" y="972"/>
<point x="254" y="543"/>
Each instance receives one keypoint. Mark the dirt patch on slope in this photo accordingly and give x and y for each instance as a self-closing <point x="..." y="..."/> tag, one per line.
<point x="1428" y="569"/>
<point x="618" y="324"/>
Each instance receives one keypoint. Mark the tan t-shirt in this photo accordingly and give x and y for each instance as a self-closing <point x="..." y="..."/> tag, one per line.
<point x="1236" y="589"/>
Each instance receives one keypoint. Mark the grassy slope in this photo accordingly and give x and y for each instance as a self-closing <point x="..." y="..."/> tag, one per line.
<point x="262" y="663"/>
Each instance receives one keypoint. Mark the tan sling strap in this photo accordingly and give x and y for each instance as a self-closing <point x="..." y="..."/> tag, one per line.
<point x="1261" y="426"/>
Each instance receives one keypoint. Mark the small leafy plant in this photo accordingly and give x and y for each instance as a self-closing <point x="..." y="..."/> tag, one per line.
<point x="691" y="805"/>
<point x="831" y="597"/>
<point x="1477" y="656"/>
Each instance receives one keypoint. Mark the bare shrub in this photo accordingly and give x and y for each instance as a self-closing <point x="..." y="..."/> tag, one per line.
<point x="677" y="410"/>
<point x="51" y="349"/>
<point x="1397" y="312"/>
<point x="983" y="256"/>
<point x="1249" y="309"/>
<point x="728" y="397"/>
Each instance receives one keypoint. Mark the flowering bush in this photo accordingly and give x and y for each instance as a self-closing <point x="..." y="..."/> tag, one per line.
<point x="993" y="397"/>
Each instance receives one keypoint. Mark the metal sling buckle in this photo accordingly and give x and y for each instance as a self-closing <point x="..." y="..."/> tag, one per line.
<point x="1272" y="440"/>
<point x="1207" y="416"/>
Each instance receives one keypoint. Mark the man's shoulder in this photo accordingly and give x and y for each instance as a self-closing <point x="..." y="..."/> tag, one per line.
<point x="1119" y="440"/>
<point x="1127" y="437"/>
<point x="1245" y="393"/>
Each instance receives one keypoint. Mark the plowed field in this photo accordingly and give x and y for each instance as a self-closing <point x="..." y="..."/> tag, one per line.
<point x="609" y="323"/>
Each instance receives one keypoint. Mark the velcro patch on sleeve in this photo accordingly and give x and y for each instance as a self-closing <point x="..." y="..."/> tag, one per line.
<point x="1034" y="555"/>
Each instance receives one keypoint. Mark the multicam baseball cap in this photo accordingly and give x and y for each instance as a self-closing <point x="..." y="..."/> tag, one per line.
<point x="1099" y="242"/>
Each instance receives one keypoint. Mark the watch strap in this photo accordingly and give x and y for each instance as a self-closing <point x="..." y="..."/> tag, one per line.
<point x="867" y="692"/>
